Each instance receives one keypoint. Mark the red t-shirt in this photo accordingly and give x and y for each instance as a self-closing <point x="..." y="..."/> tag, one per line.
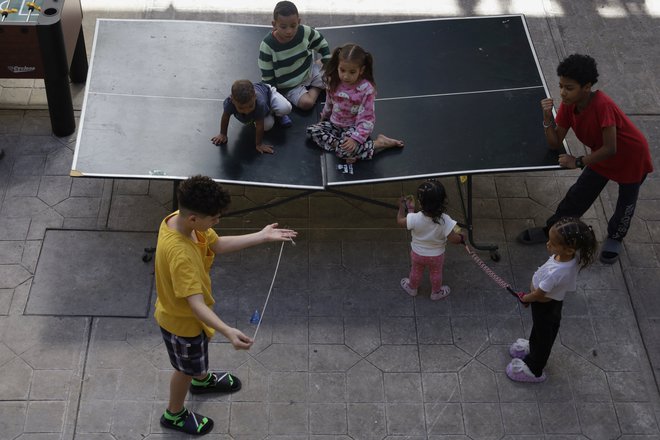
<point x="632" y="159"/>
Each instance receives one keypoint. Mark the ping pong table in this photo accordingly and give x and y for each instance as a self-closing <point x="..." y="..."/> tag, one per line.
<point x="463" y="93"/>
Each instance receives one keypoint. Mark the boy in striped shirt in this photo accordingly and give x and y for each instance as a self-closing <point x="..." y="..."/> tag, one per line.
<point x="286" y="57"/>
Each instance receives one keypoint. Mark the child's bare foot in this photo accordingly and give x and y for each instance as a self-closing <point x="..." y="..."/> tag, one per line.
<point x="382" y="142"/>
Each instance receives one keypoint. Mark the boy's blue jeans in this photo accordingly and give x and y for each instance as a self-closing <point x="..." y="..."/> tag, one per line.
<point x="583" y="194"/>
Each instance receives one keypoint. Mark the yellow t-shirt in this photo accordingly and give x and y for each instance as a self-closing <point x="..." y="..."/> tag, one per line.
<point x="182" y="270"/>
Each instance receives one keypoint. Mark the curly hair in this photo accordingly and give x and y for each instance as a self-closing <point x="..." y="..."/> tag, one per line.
<point x="285" y="9"/>
<point x="351" y="53"/>
<point x="578" y="236"/>
<point x="201" y="195"/>
<point x="242" y="91"/>
<point x="581" y="68"/>
<point x="433" y="199"/>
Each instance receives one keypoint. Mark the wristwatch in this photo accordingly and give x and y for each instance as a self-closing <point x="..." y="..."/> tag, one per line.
<point x="578" y="162"/>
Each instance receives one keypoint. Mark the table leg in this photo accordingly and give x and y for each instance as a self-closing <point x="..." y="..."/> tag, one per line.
<point x="56" y="78"/>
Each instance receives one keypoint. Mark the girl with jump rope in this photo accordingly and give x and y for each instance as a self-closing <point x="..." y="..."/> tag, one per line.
<point x="431" y="228"/>
<point x="348" y="116"/>
<point x="572" y="245"/>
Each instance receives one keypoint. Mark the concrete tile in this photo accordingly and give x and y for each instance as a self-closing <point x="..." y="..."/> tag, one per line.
<point x="364" y="383"/>
<point x="441" y="358"/>
<point x="441" y="387"/>
<point x="45" y="416"/>
<point x="398" y="330"/>
<point x="444" y="418"/>
<point x="288" y="387"/>
<point x="250" y="418"/>
<point x="325" y="358"/>
<point x="397" y="358"/>
<point x="636" y="418"/>
<point x="326" y="330"/>
<point x="482" y="420"/>
<point x="477" y="383"/>
<point x="403" y="387"/>
<point x="405" y="419"/>
<point x="288" y="418"/>
<point x="11" y="252"/>
<point x="47" y="219"/>
<point x="434" y="330"/>
<point x="14" y="228"/>
<point x="6" y="296"/>
<point x="598" y="420"/>
<point x="284" y="357"/>
<point x="468" y="335"/>
<point x="15" y="207"/>
<point x="627" y="387"/>
<point x="327" y="387"/>
<point x="23" y="186"/>
<point x="366" y="420"/>
<point x="13" y="421"/>
<point x="12" y="275"/>
<point x="328" y="418"/>
<point x="504" y="329"/>
<point x="521" y="418"/>
<point x="559" y="418"/>
<point x="16" y="379"/>
<point x="54" y="189"/>
<point x="130" y="419"/>
<point x="361" y="334"/>
<point x="50" y="385"/>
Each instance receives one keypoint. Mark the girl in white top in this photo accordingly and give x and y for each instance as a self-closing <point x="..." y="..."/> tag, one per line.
<point x="572" y="246"/>
<point x="431" y="228"/>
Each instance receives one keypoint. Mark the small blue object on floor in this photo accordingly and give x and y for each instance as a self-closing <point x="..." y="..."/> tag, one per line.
<point x="256" y="317"/>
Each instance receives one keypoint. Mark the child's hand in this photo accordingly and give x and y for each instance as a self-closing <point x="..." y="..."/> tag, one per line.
<point x="348" y="145"/>
<point x="273" y="233"/>
<point x="263" y="148"/>
<point x="238" y="339"/>
<point x="546" y="106"/>
<point x="219" y="139"/>
<point x="407" y="203"/>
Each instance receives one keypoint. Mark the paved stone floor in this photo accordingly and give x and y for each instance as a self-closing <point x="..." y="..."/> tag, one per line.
<point x="343" y="353"/>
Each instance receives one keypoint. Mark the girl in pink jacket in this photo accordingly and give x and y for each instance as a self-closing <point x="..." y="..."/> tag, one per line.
<point x="348" y="117"/>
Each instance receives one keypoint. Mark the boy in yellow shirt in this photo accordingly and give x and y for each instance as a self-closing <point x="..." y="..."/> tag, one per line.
<point x="186" y="247"/>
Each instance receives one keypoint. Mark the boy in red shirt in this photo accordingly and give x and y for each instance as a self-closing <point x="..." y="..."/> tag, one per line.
<point x="619" y="152"/>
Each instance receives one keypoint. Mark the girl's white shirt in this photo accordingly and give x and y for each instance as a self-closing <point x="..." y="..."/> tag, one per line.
<point x="429" y="239"/>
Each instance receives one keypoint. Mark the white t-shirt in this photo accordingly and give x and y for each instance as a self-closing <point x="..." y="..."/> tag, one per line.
<point x="429" y="239"/>
<point x="556" y="278"/>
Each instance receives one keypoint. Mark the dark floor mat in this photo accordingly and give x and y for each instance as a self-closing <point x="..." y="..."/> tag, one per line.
<point x="93" y="273"/>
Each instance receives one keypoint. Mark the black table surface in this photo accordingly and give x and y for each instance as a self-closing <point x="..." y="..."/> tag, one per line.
<point x="462" y="93"/>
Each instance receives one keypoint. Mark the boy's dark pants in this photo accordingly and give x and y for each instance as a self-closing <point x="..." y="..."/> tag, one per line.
<point x="583" y="194"/>
<point x="545" y="326"/>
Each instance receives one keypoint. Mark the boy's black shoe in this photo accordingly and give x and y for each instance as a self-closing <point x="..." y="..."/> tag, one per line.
<point x="187" y="421"/>
<point x="216" y="383"/>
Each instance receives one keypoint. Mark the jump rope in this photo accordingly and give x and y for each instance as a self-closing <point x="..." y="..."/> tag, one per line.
<point x="409" y="201"/>
<point x="493" y="276"/>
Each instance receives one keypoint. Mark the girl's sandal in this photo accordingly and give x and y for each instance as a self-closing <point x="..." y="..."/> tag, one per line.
<point x="442" y="294"/>
<point x="189" y="423"/>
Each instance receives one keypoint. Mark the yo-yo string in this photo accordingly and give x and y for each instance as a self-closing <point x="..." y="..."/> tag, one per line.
<point x="277" y="266"/>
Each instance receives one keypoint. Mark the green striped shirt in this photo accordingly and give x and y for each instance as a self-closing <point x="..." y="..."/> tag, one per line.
<point x="285" y="66"/>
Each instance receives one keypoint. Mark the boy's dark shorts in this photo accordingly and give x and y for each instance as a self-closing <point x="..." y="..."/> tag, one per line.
<point x="188" y="355"/>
